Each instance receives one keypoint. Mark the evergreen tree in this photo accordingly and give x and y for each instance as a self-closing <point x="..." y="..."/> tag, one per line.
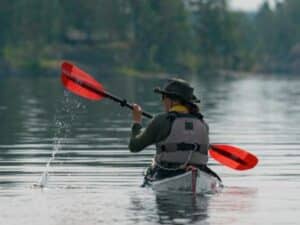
<point x="161" y="33"/>
<point x="214" y="29"/>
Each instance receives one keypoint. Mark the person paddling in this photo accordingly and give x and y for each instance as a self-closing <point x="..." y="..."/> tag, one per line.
<point x="178" y="98"/>
<point x="180" y="133"/>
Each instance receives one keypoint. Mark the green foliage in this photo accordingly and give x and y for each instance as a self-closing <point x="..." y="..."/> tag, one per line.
<point x="150" y="35"/>
<point x="277" y="33"/>
<point x="17" y="56"/>
<point x="161" y="34"/>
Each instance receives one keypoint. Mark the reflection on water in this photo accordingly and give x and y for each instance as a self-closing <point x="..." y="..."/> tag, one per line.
<point x="94" y="179"/>
<point x="191" y="208"/>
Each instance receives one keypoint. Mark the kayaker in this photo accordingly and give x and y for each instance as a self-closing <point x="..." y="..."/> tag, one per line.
<point x="180" y="133"/>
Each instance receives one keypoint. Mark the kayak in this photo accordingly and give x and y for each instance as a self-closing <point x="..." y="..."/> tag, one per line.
<point x="194" y="181"/>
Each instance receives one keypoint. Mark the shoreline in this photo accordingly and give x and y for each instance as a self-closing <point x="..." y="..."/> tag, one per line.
<point x="51" y="67"/>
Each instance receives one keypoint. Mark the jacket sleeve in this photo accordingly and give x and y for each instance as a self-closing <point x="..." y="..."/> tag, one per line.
<point x="150" y="135"/>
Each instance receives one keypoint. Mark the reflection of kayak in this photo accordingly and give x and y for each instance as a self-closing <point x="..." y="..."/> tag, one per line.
<point x="195" y="181"/>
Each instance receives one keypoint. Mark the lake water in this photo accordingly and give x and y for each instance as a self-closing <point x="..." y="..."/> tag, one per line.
<point x="94" y="179"/>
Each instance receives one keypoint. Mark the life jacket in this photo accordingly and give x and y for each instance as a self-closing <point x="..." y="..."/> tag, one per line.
<point x="187" y="142"/>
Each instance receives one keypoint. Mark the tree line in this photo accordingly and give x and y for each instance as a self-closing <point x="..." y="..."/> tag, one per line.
<point x="172" y="36"/>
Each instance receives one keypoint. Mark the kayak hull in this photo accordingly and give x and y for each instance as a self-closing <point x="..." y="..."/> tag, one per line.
<point x="193" y="181"/>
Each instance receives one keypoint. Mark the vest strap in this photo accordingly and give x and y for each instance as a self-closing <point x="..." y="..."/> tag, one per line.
<point x="171" y="147"/>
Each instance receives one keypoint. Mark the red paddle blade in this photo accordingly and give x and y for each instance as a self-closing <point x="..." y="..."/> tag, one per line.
<point x="233" y="157"/>
<point x="81" y="83"/>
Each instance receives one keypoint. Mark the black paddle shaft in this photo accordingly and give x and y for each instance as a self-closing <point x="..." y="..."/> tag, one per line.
<point x="123" y="102"/>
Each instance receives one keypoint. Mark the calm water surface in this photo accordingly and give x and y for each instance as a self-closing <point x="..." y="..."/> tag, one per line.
<point x="93" y="179"/>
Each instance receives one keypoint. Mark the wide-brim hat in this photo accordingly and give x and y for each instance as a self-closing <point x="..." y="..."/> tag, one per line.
<point x="178" y="88"/>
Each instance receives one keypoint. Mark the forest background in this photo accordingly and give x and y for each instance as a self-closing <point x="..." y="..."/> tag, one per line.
<point x="148" y="36"/>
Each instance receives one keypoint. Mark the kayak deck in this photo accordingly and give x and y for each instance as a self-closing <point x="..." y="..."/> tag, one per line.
<point x="193" y="181"/>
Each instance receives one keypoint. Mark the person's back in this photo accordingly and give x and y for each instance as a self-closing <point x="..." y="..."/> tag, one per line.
<point x="180" y="134"/>
<point x="187" y="141"/>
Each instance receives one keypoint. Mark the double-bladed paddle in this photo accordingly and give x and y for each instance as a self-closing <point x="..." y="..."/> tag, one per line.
<point x="81" y="83"/>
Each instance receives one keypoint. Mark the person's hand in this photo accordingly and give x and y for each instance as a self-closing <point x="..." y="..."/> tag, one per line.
<point x="137" y="113"/>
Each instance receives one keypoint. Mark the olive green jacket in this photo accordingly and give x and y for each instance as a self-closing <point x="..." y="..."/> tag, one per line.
<point x="157" y="130"/>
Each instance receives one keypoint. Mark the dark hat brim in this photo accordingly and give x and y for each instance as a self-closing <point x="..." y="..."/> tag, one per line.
<point x="158" y="90"/>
